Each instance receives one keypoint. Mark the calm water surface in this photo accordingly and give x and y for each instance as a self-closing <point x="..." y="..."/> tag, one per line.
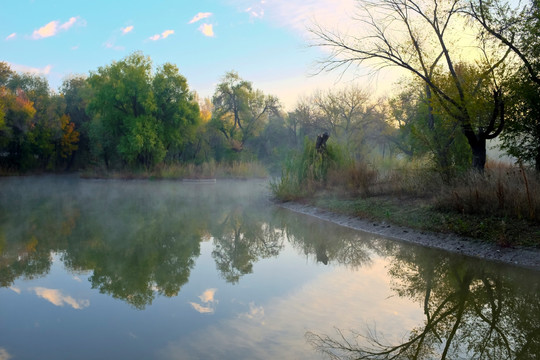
<point x="169" y="270"/>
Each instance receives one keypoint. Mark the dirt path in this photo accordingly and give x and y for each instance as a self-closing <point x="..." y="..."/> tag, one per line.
<point x="522" y="257"/>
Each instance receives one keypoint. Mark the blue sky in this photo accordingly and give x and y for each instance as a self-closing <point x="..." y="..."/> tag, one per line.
<point x="265" y="41"/>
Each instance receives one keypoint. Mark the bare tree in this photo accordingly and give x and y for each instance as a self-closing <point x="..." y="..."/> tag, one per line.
<point x="515" y="25"/>
<point x="420" y="37"/>
<point x="348" y="115"/>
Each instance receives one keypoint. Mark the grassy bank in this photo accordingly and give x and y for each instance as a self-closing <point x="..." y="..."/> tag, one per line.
<point x="500" y="206"/>
<point x="424" y="215"/>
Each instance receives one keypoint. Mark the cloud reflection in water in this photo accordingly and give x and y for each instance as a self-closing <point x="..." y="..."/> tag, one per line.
<point x="56" y="297"/>
<point x="209" y="303"/>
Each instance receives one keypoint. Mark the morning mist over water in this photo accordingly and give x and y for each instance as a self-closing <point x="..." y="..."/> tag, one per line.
<point x="171" y="270"/>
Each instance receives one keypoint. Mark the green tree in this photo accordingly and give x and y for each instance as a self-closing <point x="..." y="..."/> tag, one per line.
<point x="422" y="131"/>
<point x="138" y="117"/>
<point x="239" y="111"/>
<point x="516" y="26"/>
<point x="521" y="137"/>
<point x="176" y="110"/>
<point x="276" y="141"/>
<point x="77" y="93"/>
<point x="123" y="102"/>
<point x="17" y="113"/>
<point x="37" y="148"/>
<point x="30" y="121"/>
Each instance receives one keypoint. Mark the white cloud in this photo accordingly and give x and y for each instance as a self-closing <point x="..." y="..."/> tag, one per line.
<point x="127" y="29"/>
<point x="56" y="297"/>
<point x="335" y="298"/>
<point x="46" y="31"/>
<point x="299" y="15"/>
<point x="111" y="45"/>
<point x="256" y="11"/>
<point x="32" y="70"/>
<point x="11" y="36"/>
<point x="163" y="35"/>
<point x="69" y="23"/>
<point x="15" y="289"/>
<point x="166" y="33"/>
<point x="54" y="27"/>
<point x="200" y="16"/>
<point x="207" y="30"/>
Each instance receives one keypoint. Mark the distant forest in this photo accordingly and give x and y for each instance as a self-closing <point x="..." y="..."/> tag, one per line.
<point x="129" y="115"/>
<point x="132" y="115"/>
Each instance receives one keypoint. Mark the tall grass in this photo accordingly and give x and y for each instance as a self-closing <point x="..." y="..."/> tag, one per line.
<point x="511" y="192"/>
<point x="502" y="190"/>
<point x="305" y="172"/>
<point x="309" y="171"/>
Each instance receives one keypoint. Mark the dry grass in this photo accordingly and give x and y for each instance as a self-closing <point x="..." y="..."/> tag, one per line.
<point x="501" y="205"/>
<point x="512" y="192"/>
<point x="242" y="170"/>
<point x="209" y="170"/>
<point x="357" y="179"/>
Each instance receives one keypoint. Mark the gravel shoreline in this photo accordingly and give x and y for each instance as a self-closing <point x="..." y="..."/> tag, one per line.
<point x="521" y="257"/>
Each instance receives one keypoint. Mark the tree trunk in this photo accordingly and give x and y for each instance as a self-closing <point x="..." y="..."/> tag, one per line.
<point x="537" y="160"/>
<point x="478" y="149"/>
<point x="477" y="143"/>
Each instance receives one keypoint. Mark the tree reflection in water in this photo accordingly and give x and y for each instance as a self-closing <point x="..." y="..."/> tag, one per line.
<point x="327" y="242"/>
<point x="138" y="239"/>
<point x="246" y="234"/>
<point x="141" y="239"/>
<point x="243" y="237"/>
<point x="472" y="311"/>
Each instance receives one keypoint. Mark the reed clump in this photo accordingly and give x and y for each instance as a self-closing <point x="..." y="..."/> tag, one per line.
<point x="308" y="171"/>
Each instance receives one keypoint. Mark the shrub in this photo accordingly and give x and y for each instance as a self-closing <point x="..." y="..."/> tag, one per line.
<point x="307" y="171"/>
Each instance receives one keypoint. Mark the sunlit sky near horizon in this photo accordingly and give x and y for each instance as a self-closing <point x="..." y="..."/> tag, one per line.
<point x="265" y="41"/>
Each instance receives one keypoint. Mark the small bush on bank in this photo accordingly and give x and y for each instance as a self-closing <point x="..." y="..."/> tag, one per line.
<point x="306" y="172"/>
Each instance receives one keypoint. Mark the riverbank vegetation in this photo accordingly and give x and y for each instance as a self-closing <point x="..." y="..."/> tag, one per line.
<point x="439" y="122"/>
<point x="499" y="206"/>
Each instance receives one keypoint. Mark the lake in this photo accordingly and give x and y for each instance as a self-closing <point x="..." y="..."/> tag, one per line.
<point x="110" y="269"/>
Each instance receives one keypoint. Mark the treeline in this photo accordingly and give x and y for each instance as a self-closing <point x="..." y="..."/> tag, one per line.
<point x="131" y="115"/>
